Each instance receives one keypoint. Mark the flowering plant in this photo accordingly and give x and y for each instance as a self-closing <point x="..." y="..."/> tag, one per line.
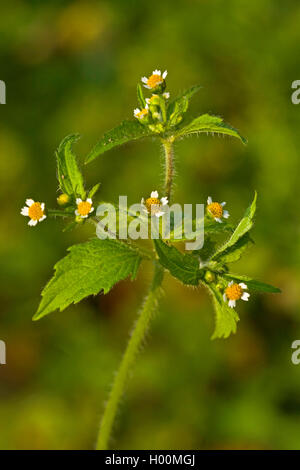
<point x="97" y="265"/>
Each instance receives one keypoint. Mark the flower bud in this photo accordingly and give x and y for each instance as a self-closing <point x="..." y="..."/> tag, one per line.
<point x="209" y="276"/>
<point x="79" y="219"/>
<point x="63" y="199"/>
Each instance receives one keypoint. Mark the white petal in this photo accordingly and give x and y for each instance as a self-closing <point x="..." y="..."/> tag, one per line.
<point x="32" y="222"/>
<point x="230" y="283"/>
<point x="224" y="297"/>
<point x="245" y="296"/>
<point x="223" y="204"/>
<point x="43" y="206"/>
<point x="146" y="107"/>
<point x="29" y="202"/>
<point x="164" y="201"/>
<point x="136" y="112"/>
<point x="156" y="72"/>
<point x="91" y="210"/>
<point x="166" y="95"/>
<point x="218" y="220"/>
<point x="76" y="212"/>
<point x="154" y="194"/>
<point x="147" y="86"/>
<point x="226" y="214"/>
<point x="209" y="200"/>
<point x="142" y="200"/>
<point x="144" y="79"/>
<point x="84" y="216"/>
<point x="43" y="218"/>
<point x="159" y="214"/>
<point x="231" y="303"/>
<point x="25" y="210"/>
<point x="164" y="74"/>
<point x="78" y="200"/>
<point x="147" y="100"/>
<point x="89" y="200"/>
<point x="243" y="285"/>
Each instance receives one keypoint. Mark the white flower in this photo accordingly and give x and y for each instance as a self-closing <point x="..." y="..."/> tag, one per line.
<point x="234" y="292"/>
<point x="154" y="205"/>
<point x="141" y="113"/>
<point x="35" y="211"/>
<point x="84" y="208"/>
<point x="166" y="95"/>
<point x="156" y="79"/>
<point x="216" y="210"/>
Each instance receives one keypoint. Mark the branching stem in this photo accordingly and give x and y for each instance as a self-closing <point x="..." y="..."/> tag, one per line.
<point x="141" y="326"/>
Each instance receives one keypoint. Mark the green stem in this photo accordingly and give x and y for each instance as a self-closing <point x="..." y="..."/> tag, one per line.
<point x="58" y="213"/>
<point x="134" y="344"/>
<point x="169" y="167"/>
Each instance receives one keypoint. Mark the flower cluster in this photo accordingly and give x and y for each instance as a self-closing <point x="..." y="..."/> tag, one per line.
<point x="36" y="210"/>
<point x="153" y="110"/>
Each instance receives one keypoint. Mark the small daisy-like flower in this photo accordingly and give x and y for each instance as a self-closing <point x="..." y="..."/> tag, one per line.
<point x="216" y="210"/>
<point x="141" y="113"/>
<point x="84" y="208"/>
<point x="156" y="79"/>
<point x="35" y="211"/>
<point x="166" y="95"/>
<point x="153" y="205"/>
<point x="234" y="292"/>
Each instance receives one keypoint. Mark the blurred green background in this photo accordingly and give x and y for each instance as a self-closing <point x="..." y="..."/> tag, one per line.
<point x="73" y="67"/>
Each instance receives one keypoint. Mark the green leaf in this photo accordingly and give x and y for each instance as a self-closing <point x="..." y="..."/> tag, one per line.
<point x="210" y="227"/>
<point x="226" y="317"/>
<point x="209" y="124"/>
<point x="243" y="227"/>
<point x="94" y="190"/>
<point x="125" y="132"/>
<point x="68" y="173"/>
<point x="140" y="96"/>
<point x="89" y="268"/>
<point x="186" y="95"/>
<point x="182" y="266"/>
<point x="252" y="284"/>
<point x="179" y="106"/>
<point x="234" y="253"/>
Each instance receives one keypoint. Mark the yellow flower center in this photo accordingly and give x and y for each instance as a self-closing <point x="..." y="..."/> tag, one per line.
<point x="84" y="208"/>
<point x="215" y="209"/>
<point x="142" y="113"/>
<point x="154" y="80"/>
<point x="152" y="204"/>
<point x="234" y="292"/>
<point x="35" y="211"/>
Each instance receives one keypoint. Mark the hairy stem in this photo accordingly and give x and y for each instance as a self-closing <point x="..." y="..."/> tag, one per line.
<point x="169" y="167"/>
<point x="133" y="347"/>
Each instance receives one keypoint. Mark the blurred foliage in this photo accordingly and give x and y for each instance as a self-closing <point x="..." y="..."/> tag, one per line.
<point x="73" y="67"/>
